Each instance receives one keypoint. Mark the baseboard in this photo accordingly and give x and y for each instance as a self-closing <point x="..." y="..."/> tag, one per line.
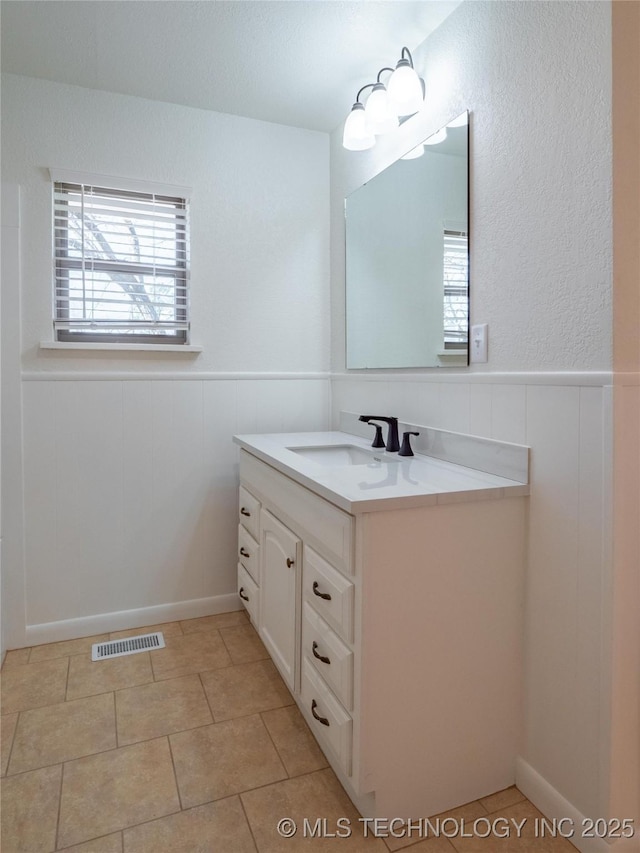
<point x="553" y="805"/>
<point x="101" y="623"/>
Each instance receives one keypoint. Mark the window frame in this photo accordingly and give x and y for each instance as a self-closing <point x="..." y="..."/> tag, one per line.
<point x="63" y="264"/>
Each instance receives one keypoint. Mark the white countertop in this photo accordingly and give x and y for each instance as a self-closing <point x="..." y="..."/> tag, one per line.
<point x="403" y="482"/>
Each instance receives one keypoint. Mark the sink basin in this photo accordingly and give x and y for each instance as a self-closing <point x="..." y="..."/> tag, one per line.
<point x="341" y="454"/>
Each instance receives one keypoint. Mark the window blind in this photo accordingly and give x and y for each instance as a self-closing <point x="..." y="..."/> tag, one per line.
<point x="121" y="265"/>
<point x="456" y="283"/>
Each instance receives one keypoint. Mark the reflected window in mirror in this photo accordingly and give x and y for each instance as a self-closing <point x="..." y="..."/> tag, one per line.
<point x="407" y="260"/>
<point x="456" y="284"/>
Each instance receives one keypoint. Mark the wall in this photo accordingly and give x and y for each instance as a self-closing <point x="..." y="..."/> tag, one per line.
<point x="129" y="471"/>
<point x="625" y="677"/>
<point x="537" y="80"/>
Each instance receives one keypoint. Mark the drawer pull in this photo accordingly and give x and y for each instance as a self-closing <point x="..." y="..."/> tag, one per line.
<point x="244" y="552"/>
<point x="320" y="719"/>
<point x="290" y="562"/>
<point x="242" y="595"/>
<point x="324" y="595"/>
<point x="314" y="649"/>
<point x="244" y="511"/>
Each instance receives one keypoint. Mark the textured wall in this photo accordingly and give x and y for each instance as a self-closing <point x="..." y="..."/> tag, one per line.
<point x="537" y="79"/>
<point x="259" y="228"/>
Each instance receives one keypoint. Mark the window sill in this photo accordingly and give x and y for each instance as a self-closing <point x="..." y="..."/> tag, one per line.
<point x="180" y="349"/>
<point x="451" y="357"/>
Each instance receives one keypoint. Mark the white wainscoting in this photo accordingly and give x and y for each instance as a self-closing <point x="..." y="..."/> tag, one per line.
<point x="566" y="420"/>
<point x="130" y="493"/>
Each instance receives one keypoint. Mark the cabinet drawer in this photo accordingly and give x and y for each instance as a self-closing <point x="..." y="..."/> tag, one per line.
<point x="328" y="592"/>
<point x="328" y="654"/>
<point x="249" y="509"/>
<point x="328" y="720"/>
<point x="249" y="593"/>
<point x="328" y="529"/>
<point x="248" y="550"/>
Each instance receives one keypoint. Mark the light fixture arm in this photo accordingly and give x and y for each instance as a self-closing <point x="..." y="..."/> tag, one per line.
<point x="408" y="54"/>
<point x="360" y="91"/>
<point x="386" y="68"/>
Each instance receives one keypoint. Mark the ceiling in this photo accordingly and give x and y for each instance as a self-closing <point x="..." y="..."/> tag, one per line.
<point x="295" y="62"/>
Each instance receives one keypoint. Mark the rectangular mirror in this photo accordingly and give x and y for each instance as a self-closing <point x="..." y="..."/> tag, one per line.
<point x="407" y="258"/>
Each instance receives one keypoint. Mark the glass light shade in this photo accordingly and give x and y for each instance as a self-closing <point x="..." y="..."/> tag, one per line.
<point x="356" y="135"/>
<point x="405" y="89"/>
<point x="416" y="152"/>
<point x="438" y="136"/>
<point x="380" y="118"/>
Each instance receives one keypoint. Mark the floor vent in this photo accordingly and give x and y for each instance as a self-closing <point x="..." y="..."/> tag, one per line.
<point x="130" y="646"/>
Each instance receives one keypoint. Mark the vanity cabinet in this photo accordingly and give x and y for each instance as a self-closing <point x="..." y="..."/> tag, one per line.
<point x="399" y="634"/>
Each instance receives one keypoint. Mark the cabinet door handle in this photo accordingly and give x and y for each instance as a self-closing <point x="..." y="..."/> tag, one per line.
<point x="314" y="649"/>
<point x="244" y="552"/>
<point x="242" y="595"/>
<point x="244" y="511"/>
<point x="324" y="595"/>
<point x="290" y="562"/>
<point x="320" y="719"/>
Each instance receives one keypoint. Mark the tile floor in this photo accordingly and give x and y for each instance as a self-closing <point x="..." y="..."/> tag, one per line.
<point x="195" y="748"/>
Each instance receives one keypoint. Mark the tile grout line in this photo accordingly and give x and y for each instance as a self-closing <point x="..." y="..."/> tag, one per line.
<point x="246" y="817"/>
<point x="228" y="650"/>
<point x="206" y="696"/>
<point x="170" y="814"/>
<point x="115" y="720"/>
<point x="78" y="698"/>
<point x="124" y="746"/>
<point x="59" y="806"/>
<point x="175" y="774"/>
<point x="13" y="740"/>
<point x="66" y="683"/>
<point x="249" y="714"/>
<point x="281" y="759"/>
<point x="250" y="790"/>
<point x="123" y="829"/>
<point x="119" y="746"/>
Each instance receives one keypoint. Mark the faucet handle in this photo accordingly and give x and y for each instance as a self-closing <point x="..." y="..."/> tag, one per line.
<point x="406" y="449"/>
<point x="378" y="440"/>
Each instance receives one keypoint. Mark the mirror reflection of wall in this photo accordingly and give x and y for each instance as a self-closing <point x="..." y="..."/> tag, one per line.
<point x="407" y="260"/>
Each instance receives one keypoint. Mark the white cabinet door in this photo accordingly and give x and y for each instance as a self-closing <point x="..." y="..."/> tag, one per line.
<point x="279" y="594"/>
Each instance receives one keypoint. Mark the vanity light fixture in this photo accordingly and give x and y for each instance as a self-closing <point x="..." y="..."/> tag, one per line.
<point x="385" y="106"/>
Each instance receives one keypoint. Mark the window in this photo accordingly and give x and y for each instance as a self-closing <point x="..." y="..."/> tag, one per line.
<point x="456" y="289"/>
<point x="121" y="265"/>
